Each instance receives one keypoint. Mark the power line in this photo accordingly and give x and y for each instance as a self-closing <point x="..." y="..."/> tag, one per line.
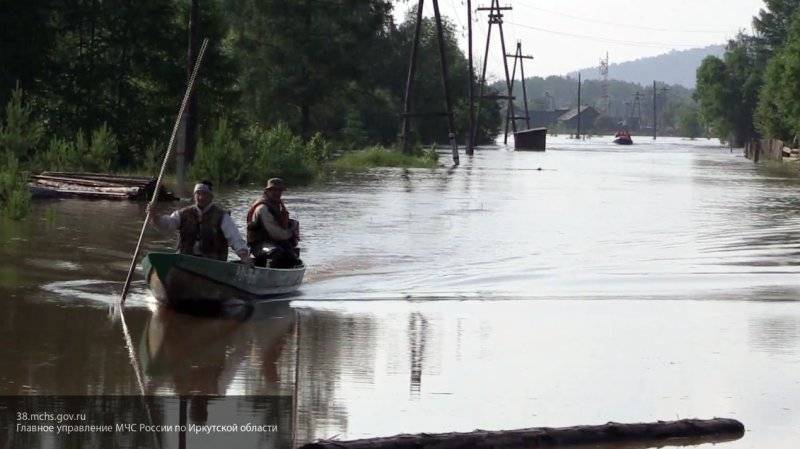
<point x="607" y="40"/>
<point x="623" y="25"/>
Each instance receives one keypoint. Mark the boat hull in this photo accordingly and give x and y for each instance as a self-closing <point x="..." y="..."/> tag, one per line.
<point x="177" y="279"/>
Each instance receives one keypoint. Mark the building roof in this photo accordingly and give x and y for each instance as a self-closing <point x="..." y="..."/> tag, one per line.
<point x="572" y="113"/>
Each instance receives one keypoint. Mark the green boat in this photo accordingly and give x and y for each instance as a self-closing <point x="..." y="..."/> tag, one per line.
<point x="177" y="279"/>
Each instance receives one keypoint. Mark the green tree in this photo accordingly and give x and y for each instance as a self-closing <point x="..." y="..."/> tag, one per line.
<point x="727" y="90"/>
<point x="26" y="36"/>
<point x="301" y="54"/>
<point x="778" y="113"/>
<point x="773" y="22"/>
<point x="688" y="122"/>
<point x="20" y="133"/>
<point x="123" y="64"/>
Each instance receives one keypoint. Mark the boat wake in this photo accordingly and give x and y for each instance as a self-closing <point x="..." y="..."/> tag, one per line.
<point x="99" y="292"/>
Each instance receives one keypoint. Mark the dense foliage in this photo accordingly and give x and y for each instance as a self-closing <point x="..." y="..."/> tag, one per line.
<point x="752" y="90"/>
<point x="95" y="86"/>
<point x="335" y="67"/>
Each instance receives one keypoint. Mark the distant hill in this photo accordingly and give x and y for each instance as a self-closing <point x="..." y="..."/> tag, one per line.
<point x="675" y="67"/>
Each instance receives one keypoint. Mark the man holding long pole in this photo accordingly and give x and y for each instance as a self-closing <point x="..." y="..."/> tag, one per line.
<point x="205" y="230"/>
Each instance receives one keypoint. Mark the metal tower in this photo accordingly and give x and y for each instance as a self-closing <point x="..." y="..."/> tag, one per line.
<point x="605" y="99"/>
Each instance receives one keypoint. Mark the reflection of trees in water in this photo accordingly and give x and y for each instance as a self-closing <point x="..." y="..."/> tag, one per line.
<point x="332" y="346"/>
<point x="775" y="334"/>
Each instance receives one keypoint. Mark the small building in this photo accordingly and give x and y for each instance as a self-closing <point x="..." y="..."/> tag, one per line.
<point x="587" y="114"/>
<point x="546" y="118"/>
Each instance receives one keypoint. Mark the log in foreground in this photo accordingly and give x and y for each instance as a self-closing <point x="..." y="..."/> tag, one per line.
<point x="679" y="433"/>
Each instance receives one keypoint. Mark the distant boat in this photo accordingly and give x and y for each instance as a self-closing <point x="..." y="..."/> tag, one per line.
<point x="180" y="279"/>
<point x="623" y="138"/>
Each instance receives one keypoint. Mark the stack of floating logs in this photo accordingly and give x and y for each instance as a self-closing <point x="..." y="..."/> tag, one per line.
<point x="95" y="186"/>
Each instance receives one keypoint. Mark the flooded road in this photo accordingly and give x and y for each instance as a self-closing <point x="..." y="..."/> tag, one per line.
<point x="586" y="284"/>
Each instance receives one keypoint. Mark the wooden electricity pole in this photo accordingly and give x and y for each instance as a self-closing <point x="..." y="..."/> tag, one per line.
<point x="578" y="133"/>
<point x="495" y="18"/>
<point x="471" y="124"/>
<point x="412" y="67"/>
<point x="654" y="110"/>
<point x="511" y="112"/>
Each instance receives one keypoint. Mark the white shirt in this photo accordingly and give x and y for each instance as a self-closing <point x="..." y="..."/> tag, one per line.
<point x="173" y="221"/>
<point x="274" y="230"/>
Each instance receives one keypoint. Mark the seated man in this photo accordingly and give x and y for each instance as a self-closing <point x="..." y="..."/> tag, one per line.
<point x="204" y="229"/>
<point x="270" y="233"/>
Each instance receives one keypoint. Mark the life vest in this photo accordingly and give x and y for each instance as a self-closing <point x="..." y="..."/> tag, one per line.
<point x="257" y="235"/>
<point x="207" y="230"/>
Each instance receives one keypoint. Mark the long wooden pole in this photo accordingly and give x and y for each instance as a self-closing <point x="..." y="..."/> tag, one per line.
<point x="161" y="173"/>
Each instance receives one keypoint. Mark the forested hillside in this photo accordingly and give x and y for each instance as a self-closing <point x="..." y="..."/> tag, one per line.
<point x="675" y="67"/>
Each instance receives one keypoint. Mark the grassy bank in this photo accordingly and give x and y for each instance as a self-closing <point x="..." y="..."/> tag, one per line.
<point x="378" y="156"/>
<point x="227" y="155"/>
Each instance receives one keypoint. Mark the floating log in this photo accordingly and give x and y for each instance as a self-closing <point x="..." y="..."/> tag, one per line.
<point x="682" y="432"/>
<point x="95" y="186"/>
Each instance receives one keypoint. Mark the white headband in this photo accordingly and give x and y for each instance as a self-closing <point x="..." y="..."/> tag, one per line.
<point x="200" y="187"/>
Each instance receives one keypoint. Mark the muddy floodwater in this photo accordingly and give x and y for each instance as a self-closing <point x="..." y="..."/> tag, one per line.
<point x="586" y="284"/>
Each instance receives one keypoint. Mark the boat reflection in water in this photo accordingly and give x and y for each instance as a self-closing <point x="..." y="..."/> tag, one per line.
<point x="225" y="370"/>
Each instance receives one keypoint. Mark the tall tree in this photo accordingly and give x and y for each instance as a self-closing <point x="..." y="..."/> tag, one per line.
<point x="26" y="37"/>
<point x="772" y="23"/>
<point x="302" y="53"/>
<point x="778" y="113"/>
<point x="727" y="89"/>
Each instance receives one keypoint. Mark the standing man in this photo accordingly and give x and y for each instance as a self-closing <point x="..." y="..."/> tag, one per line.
<point x="204" y="229"/>
<point x="269" y="225"/>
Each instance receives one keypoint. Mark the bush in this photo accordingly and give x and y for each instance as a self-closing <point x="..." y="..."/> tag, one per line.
<point x="353" y="133"/>
<point x="152" y="159"/>
<point x="222" y="160"/>
<point x="318" y="149"/>
<point x="61" y="155"/>
<point x="378" y="156"/>
<point x="101" y="152"/>
<point x="96" y="155"/>
<point x="21" y="134"/>
<point x="15" y="197"/>
<point x="279" y="153"/>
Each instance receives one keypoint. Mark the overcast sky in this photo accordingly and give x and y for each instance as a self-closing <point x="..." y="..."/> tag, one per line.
<point x="565" y="35"/>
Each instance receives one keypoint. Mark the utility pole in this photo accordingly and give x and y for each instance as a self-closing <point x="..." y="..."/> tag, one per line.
<point x="511" y="112"/>
<point x="578" y="133"/>
<point x="471" y="124"/>
<point x="654" y="110"/>
<point x="495" y="18"/>
<point x="407" y="114"/>
<point x="451" y="127"/>
<point x="412" y="70"/>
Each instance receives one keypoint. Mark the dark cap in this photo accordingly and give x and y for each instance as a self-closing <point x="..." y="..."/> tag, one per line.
<point x="275" y="183"/>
